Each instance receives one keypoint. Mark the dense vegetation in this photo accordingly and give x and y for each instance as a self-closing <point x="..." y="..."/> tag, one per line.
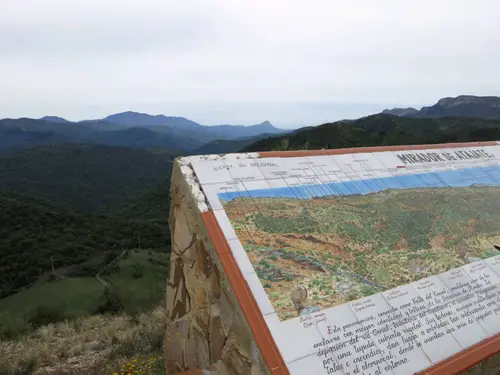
<point x="383" y="130"/>
<point x="71" y="212"/>
<point x="224" y="146"/>
<point x="33" y="237"/>
<point x="83" y="177"/>
<point x="154" y="204"/>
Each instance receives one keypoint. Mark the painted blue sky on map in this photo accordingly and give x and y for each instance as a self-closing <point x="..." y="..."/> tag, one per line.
<point x="489" y="175"/>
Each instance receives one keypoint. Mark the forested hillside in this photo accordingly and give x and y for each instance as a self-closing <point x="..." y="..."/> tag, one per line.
<point x="84" y="177"/>
<point x="228" y="146"/>
<point x="381" y="130"/>
<point x="128" y="129"/>
<point x="69" y="212"/>
<point x="32" y="235"/>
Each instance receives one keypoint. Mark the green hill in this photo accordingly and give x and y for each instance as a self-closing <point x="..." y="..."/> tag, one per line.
<point x="138" y="280"/>
<point x="383" y="130"/>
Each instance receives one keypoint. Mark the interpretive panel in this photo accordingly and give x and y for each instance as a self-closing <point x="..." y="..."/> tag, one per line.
<point x="367" y="263"/>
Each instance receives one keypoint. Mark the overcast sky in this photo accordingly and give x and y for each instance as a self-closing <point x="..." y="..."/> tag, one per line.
<point x="292" y="62"/>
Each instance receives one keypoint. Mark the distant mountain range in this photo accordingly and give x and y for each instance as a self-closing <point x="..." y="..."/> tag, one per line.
<point x="181" y="126"/>
<point x="184" y="136"/>
<point x="54" y="119"/>
<point x="134" y="118"/>
<point x="128" y="129"/>
<point x="487" y="107"/>
<point x="178" y="124"/>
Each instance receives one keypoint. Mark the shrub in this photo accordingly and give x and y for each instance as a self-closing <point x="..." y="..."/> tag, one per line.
<point x="139" y="365"/>
<point x="138" y="271"/>
<point x="109" y="302"/>
<point x="46" y="314"/>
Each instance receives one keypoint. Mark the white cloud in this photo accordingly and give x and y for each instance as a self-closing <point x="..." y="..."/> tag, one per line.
<point x="290" y="61"/>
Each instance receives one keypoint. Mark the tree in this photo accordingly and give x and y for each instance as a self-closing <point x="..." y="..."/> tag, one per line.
<point x="109" y="302"/>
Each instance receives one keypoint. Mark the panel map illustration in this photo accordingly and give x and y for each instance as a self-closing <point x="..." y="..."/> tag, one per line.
<point x="365" y="261"/>
<point x="335" y="239"/>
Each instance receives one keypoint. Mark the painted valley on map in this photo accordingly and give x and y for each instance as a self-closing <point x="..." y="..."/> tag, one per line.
<point x="317" y="246"/>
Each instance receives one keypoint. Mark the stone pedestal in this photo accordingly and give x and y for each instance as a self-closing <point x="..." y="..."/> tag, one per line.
<point x="206" y="328"/>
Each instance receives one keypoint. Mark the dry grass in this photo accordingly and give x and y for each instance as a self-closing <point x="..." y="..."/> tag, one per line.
<point x="89" y="346"/>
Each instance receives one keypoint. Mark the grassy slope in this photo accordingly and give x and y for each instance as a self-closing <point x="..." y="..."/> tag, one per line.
<point x="140" y="293"/>
<point x="78" y="296"/>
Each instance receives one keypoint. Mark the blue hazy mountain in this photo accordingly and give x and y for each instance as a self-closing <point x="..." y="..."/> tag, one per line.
<point x="28" y="133"/>
<point x="130" y="118"/>
<point x="241" y="131"/>
<point x="182" y="126"/>
<point x="53" y="119"/>
<point x="127" y="129"/>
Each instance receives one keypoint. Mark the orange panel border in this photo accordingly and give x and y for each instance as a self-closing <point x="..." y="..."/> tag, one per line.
<point x="466" y="359"/>
<point x="451" y="366"/>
